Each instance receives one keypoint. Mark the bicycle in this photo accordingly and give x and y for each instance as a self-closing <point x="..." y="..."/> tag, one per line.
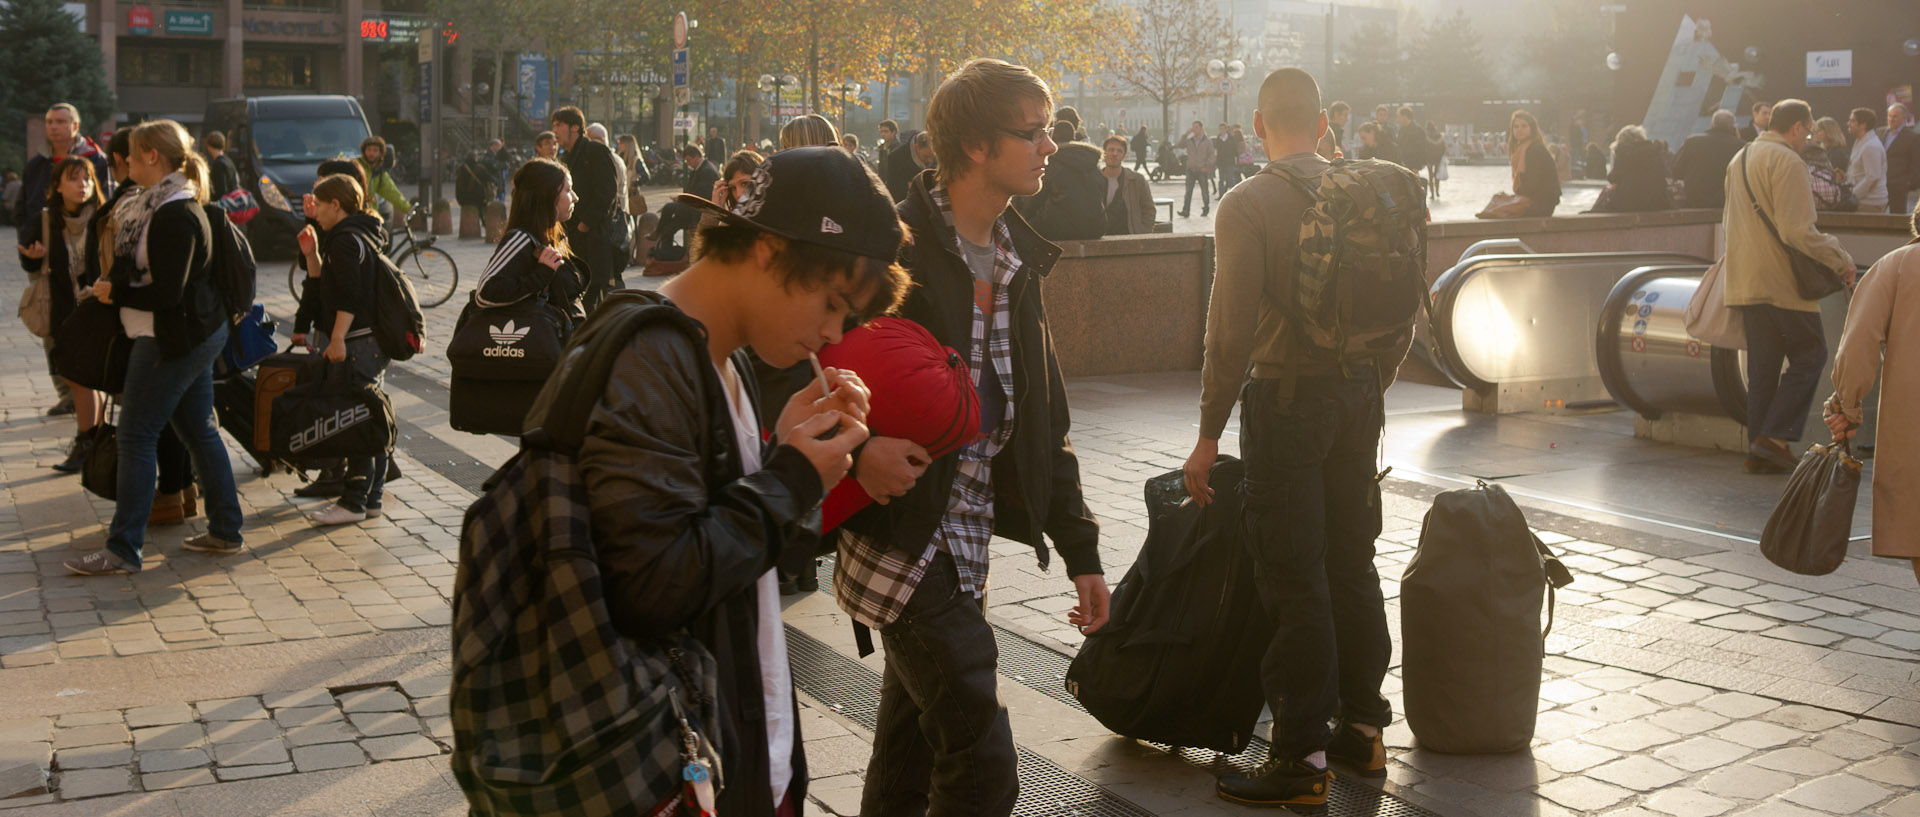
<point x="431" y="270"/>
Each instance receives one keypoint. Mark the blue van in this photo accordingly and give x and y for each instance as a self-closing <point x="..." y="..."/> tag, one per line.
<point x="278" y="143"/>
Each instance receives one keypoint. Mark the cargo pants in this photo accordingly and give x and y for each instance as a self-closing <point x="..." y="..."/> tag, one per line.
<point x="1312" y="512"/>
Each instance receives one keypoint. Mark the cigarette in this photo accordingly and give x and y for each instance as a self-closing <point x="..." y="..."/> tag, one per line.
<point x="821" y="373"/>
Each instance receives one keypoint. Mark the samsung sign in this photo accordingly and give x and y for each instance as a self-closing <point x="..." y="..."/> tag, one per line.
<point x="1829" y="69"/>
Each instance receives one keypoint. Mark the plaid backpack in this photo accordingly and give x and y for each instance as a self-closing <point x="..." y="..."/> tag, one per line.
<point x="554" y="711"/>
<point x="1360" y="279"/>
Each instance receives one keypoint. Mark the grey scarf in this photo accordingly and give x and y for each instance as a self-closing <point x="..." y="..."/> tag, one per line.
<point x="133" y="214"/>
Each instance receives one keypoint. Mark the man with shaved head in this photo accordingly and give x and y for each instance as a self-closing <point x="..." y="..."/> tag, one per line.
<point x="1310" y="426"/>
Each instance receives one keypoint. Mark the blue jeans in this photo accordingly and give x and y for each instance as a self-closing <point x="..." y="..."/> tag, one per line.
<point x="1312" y="512"/>
<point x="177" y="392"/>
<point x="1205" y="180"/>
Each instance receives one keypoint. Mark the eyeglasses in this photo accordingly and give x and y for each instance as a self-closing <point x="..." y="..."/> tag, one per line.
<point x="1031" y="134"/>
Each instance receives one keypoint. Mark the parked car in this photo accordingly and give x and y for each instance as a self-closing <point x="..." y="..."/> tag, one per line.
<point x="277" y="143"/>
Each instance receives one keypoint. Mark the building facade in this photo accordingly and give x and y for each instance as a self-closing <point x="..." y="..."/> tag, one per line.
<point x="169" y="59"/>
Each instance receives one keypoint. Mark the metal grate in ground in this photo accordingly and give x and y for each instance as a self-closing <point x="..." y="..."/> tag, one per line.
<point x="851" y="689"/>
<point x="1044" y="670"/>
<point x="848" y="687"/>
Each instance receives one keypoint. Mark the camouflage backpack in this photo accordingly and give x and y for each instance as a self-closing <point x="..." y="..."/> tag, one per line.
<point x="1360" y="279"/>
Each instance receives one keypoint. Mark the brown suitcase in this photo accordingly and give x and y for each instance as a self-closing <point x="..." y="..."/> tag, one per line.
<point x="277" y="374"/>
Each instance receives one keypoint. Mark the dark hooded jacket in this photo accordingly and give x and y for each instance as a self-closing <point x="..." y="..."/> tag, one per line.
<point x="1071" y="204"/>
<point x="349" y="259"/>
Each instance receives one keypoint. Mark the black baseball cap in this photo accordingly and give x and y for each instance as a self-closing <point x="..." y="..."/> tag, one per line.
<point x="820" y="195"/>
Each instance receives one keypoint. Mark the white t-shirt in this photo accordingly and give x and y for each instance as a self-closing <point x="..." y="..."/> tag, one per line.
<point x="776" y="676"/>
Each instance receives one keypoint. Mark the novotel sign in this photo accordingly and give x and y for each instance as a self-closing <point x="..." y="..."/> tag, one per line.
<point x="293" y="29"/>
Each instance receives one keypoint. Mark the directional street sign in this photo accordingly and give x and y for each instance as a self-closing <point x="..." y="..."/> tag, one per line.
<point x="682" y="94"/>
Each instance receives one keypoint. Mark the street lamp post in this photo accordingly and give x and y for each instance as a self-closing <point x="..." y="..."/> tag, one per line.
<point x="652" y="90"/>
<point x="776" y="84"/>
<point x="1226" y="71"/>
<point x="846" y="89"/>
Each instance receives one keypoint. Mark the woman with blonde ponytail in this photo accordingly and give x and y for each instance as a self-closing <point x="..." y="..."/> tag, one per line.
<point x="157" y="262"/>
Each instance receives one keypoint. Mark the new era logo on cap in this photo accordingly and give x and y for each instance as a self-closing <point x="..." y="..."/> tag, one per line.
<point x="827" y="225"/>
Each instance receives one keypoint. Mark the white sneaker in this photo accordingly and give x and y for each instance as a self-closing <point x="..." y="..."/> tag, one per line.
<point x="335" y="514"/>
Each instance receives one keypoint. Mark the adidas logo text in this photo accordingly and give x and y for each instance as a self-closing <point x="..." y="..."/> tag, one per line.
<point x="503" y="351"/>
<point x="328" y="426"/>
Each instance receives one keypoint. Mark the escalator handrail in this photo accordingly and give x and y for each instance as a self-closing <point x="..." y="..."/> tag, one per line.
<point x="1446" y="290"/>
<point x="1486" y="244"/>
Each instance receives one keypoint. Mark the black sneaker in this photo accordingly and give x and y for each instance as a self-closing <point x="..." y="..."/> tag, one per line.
<point x="61" y="409"/>
<point x="1364" y="756"/>
<point x="1277" y="783"/>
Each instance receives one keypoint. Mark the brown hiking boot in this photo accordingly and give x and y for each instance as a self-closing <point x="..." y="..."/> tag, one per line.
<point x="1365" y="756"/>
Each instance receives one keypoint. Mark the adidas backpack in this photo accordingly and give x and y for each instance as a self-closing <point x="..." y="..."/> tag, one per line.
<point x="1360" y="279"/>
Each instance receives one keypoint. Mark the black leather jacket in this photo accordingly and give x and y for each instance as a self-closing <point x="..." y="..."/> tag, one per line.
<point x="685" y="535"/>
<point x="1036" y="478"/>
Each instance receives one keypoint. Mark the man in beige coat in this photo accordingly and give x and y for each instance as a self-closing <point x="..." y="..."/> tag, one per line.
<point x="1781" y="325"/>
<point x="1886" y="310"/>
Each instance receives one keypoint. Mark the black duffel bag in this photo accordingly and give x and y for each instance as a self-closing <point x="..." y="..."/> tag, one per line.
<point x="90" y="347"/>
<point x="1179" y="661"/>
<point x="501" y="356"/>
<point x="341" y="414"/>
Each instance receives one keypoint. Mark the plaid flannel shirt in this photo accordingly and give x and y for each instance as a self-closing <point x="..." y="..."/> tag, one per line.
<point x="873" y="582"/>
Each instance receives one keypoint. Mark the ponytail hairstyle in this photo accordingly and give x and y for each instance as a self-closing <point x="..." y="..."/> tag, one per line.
<point x="343" y="190"/>
<point x="536" y="186"/>
<point x="176" y="150"/>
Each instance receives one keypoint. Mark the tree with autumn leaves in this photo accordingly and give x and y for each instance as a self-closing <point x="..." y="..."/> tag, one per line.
<point x="823" y="42"/>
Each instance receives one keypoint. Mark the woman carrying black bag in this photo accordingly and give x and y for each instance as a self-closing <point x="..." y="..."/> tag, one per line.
<point x="511" y="336"/>
<point x="160" y="247"/>
<point x="346" y="251"/>
<point x="56" y="248"/>
<point x="533" y="257"/>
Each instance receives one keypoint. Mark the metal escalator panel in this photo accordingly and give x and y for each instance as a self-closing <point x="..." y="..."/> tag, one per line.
<point x="1650" y="363"/>
<point x="1528" y="318"/>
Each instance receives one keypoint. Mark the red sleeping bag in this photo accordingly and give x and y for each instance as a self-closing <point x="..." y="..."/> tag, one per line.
<point x="922" y="391"/>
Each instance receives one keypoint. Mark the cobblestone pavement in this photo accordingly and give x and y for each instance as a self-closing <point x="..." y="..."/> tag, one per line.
<point x="1686" y="675"/>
